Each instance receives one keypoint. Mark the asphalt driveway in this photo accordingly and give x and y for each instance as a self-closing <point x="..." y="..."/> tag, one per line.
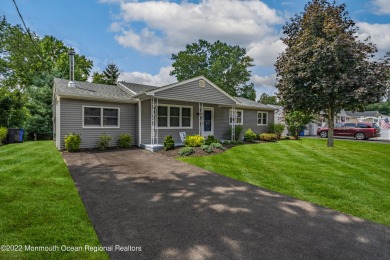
<point x="140" y="200"/>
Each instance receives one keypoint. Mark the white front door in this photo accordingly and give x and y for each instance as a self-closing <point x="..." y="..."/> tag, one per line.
<point x="208" y="121"/>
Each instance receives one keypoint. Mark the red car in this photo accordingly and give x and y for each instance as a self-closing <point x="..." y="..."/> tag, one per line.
<point x="361" y="131"/>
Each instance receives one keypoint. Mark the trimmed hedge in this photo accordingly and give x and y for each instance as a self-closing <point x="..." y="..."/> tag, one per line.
<point x="268" y="137"/>
<point x="72" y="142"/>
<point x="194" y="141"/>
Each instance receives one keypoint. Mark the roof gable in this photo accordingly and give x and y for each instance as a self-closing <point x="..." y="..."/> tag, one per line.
<point x="198" y="89"/>
<point x="136" y="88"/>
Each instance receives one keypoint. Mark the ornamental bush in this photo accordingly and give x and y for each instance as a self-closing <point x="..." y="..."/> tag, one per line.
<point x="210" y="140"/>
<point x="125" y="140"/>
<point x="104" y="141"/>
<point x="169" y="143"/>
<point x="217" y="146"/>
<point x="207" y="148"/>
<point x="72" y="142"/>
<point x="3" y="135"/>
<point x="194" y="141"/>
<point x="249" y="135"/>
<point x="268" y="137"/>
<point x="186" y="151"/>
<point x="276" y="129"/>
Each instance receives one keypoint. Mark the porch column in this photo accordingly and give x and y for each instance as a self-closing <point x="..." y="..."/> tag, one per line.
<point x="154" y="120"/>
<point x="233" y="115"/>
<point x="200" y="117"/>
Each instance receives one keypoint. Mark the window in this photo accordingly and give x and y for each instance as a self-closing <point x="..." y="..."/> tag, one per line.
<point x="174" y="116"/>
<point x="262" y="118"/>
<point x="239" y="117"/>
<point x="100" y="117"/>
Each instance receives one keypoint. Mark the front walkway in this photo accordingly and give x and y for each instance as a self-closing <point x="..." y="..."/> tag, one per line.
<point x="173" y="210"/>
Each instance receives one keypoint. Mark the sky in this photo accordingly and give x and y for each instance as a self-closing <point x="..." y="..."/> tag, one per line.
<point x="140" y="36"/>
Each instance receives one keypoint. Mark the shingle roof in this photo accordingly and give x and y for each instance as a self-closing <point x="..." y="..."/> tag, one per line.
<point x="250" y="103"/>
<point x="91" y="90"/>
<point x="363" y="114"/>
<point x="137" y="88"/>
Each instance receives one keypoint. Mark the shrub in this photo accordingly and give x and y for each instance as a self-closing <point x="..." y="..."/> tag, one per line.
<point x="239" y="142"/>
<point x="211" y="139"/>
<point x="233" y="142"/>
<point x="194" y="141"/>
<point x="3" y="134"/>
<point x="249" y="135"/>
<point x="104" y="141"/>
<point x="186" y="151"/>
<point x="72" y="142"/>
<point x="237" y="129"/>
<point x="268" y="137"/>
<point x="169" y="143"/>
<point x="217" y="146"/>
<point x="226" y="142"/>
<point x="207" y="148"/>
<point x="125" y="140"/>
<point x="276" y="129"/>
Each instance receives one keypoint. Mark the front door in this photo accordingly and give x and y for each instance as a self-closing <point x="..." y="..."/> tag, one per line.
<point x="208" y="121"/>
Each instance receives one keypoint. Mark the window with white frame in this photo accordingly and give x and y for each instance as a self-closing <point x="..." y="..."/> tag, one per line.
<point x="100" y="116"/>
<point x="174" y="116"/>
<point x="262" y="118"/>
<point x="239" y="117"/>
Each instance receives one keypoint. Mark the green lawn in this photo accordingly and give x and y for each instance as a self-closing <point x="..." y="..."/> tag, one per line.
<point x="40" y="205"/>
<point x="352" y="177"/>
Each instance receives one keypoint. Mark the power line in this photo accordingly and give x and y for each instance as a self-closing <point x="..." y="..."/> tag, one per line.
<point x="25" y="27"/>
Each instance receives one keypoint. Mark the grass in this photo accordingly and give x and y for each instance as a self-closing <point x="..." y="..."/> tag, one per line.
<point x="40" y="205"/>
<point x="352" y="177"/>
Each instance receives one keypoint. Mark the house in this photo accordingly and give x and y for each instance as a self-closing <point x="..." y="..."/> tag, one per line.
<point x="149" y="113"/>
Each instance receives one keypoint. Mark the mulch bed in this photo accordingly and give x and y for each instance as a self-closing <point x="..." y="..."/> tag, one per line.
<point x="199" y="151"/>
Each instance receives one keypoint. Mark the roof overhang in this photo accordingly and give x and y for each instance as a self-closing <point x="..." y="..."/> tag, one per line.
<point x="102" y="99"/>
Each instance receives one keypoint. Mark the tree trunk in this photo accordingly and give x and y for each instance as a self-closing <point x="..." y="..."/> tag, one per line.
<point x="330" y="127"/>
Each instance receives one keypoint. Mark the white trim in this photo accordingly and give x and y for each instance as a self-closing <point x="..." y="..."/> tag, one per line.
<point x="139" y="123"/>
<point x="191" y="80"/>
<point x="58" y="123"/>
<point x="101" y="117"/>
<point x="212" y="122"/>
<point x="257" y="118"/>
<point x="235" y="119"/>
<point x="180" y="117"/>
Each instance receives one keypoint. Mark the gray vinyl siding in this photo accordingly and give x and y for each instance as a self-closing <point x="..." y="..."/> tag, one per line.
<point x="71" y="121"/>
<point x="192" y="92"/>
<point x="250" y="121"/>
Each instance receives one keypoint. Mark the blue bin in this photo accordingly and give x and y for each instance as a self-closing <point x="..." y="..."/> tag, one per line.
<point x="21" y="132"/>
<point x="302" y="133"/>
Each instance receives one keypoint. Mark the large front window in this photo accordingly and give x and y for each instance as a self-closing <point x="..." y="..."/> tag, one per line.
<point x="238" y="116"/>
<point x="174" y="116"/>
<point x="100" y="117"/>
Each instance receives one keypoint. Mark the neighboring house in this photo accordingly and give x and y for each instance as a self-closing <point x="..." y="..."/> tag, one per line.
<point x="365" y="116"/>
<point x="148" y="113"/>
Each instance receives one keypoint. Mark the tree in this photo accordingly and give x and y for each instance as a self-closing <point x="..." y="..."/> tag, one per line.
<point x="296" y="122"/>
<point x="268" y="99"/>
<point x="383" y="107"/>
<point x="111" y="74"/>
<point x="98" y="78"/>
<point x="325" y="67"/>
<point x="28" y="65"/>
<point x="225" y="65"/>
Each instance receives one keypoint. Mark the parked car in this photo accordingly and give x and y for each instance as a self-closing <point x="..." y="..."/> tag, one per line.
<point x="361" y="131"/>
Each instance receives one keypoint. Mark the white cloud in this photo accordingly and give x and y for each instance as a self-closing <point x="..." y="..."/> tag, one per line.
<point x="382" y="6"/>
<point x="380" y="35"/>
<point x="169" y="26"/>
<point x="160" y="79"/>
<point x="266" y="51"/>
<point x="264" y="84"/>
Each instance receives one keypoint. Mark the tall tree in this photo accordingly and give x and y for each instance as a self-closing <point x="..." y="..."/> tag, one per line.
<point x="268" y="99"/>
<point x="28" y="65"/>
<point x="225" y="65"/>
<point x="111" y="74"/>
<point x="98" y="78"/>
<point x="325" y="67"/>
